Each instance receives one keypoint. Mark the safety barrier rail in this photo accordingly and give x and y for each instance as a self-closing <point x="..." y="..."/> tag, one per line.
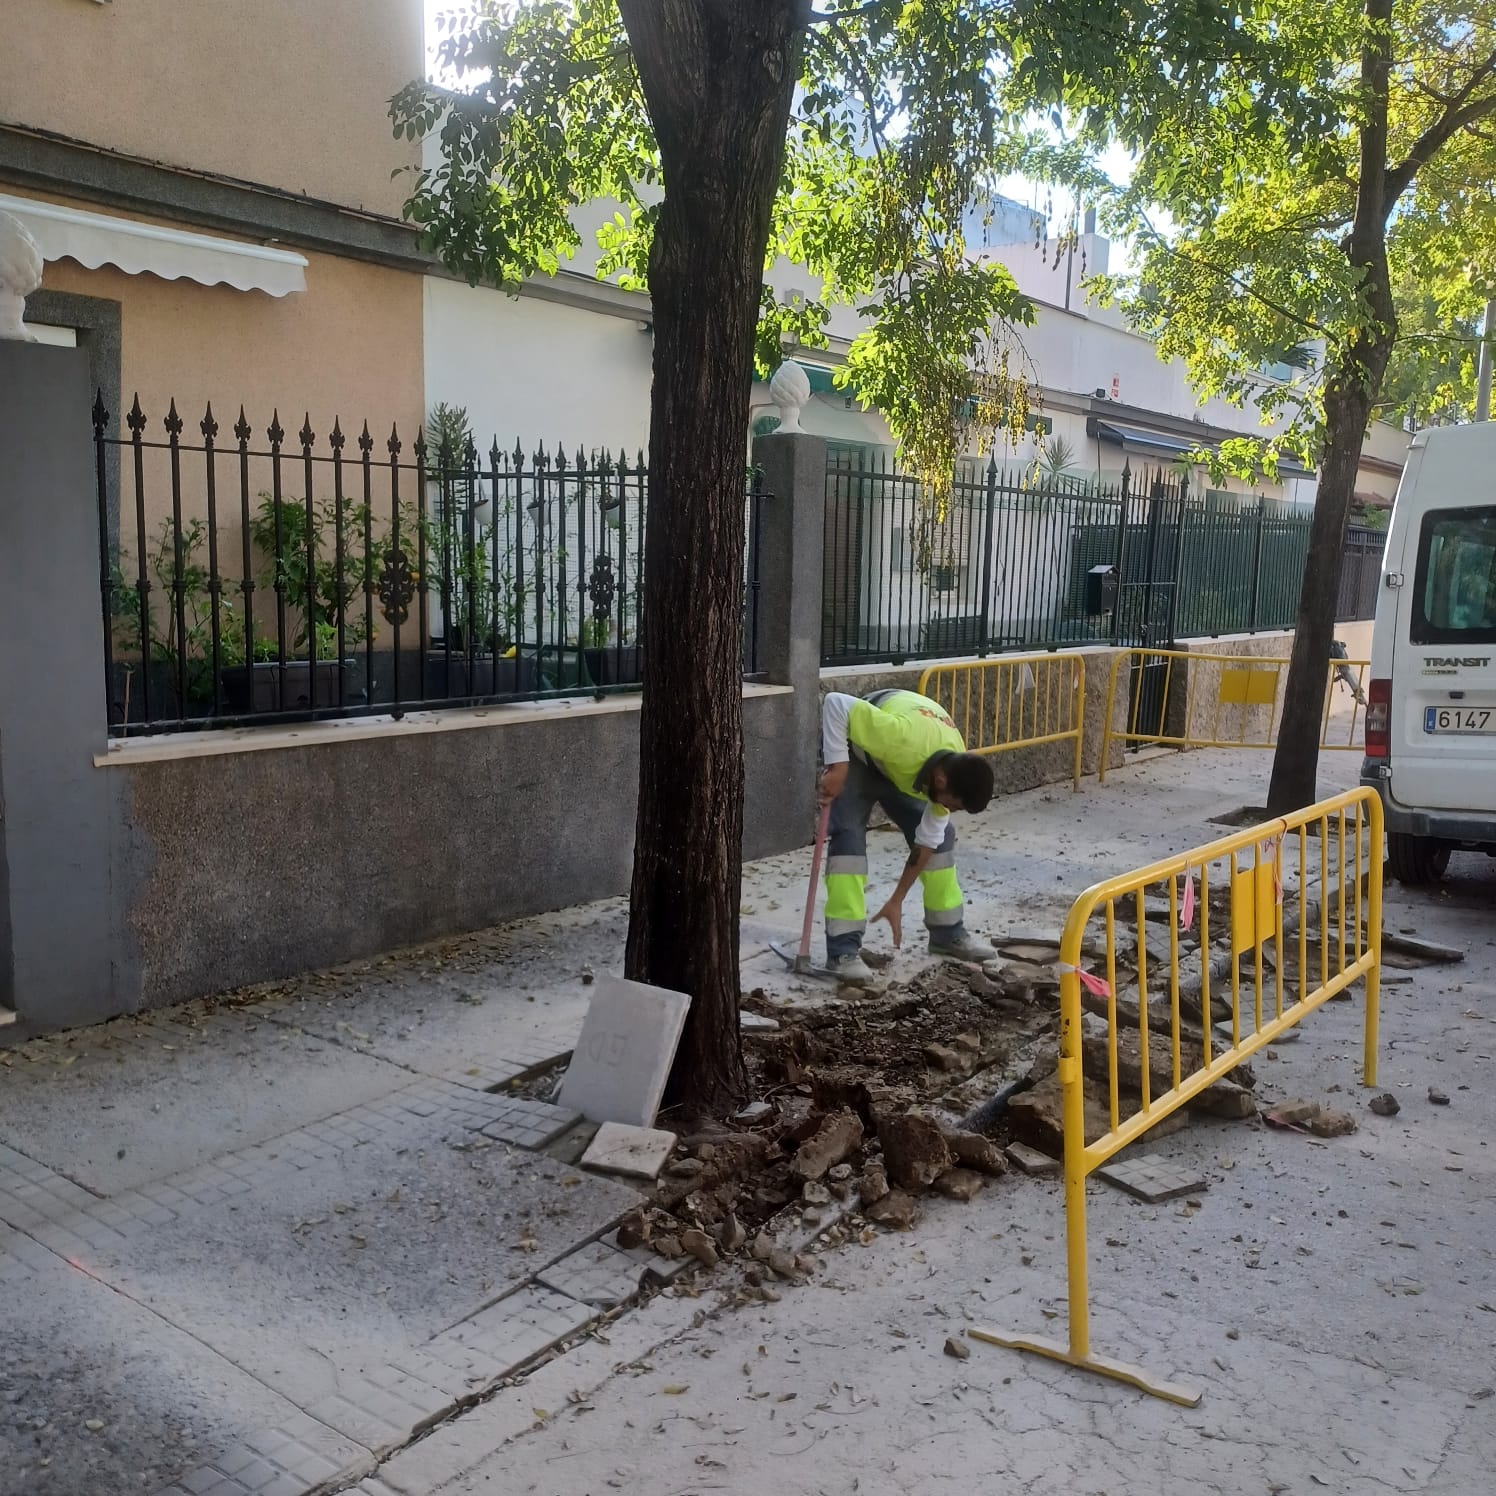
<point x="1301" y="934"/>
<point x="1229" y="701"/>
<point x="1016" y="701"/>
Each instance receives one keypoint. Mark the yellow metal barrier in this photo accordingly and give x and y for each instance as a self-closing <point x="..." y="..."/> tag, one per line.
<point x="1230" y="701"/>
<point x="1298" y="936"/>
<point x="1014" y="701"/>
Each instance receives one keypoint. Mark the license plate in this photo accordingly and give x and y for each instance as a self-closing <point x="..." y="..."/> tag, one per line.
<point x="1459" y="719"/>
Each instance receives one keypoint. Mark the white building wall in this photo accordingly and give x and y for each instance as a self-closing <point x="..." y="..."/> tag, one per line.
<point x="537" y="372"/>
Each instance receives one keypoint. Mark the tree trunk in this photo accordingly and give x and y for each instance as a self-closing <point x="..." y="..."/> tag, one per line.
<point x="1350" y="393"/>
<point x="718" y="76"/>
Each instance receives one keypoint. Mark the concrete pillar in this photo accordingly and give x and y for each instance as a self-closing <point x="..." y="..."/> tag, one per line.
<point x="790" y="548"/>
<point x="56" y="809"/>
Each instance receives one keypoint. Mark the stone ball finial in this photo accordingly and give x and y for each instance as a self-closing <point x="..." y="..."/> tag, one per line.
<point x="790" y="390"/>
<point x="20" y="275"/>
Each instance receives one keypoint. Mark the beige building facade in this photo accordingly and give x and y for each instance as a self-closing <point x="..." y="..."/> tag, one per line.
<point x="216" y="190"/>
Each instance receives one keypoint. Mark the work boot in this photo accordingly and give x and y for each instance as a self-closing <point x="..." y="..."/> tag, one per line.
<point x="852" y="970"/>
<point x="962" y="947"/>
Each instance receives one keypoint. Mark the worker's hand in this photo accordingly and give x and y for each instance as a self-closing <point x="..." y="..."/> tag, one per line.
<point x="892" y="913"/>
<point x="831" y="783"/>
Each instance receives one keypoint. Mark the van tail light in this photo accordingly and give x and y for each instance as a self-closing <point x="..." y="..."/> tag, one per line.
<point x="1379" y="719"/>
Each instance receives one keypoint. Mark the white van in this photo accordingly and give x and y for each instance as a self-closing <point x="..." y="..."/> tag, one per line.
<point x="1431" y="708"/>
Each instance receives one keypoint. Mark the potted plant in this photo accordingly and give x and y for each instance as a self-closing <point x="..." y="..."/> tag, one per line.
<point x="321" y="593"/>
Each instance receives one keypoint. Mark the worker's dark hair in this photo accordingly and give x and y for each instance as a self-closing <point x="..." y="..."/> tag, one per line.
<point x="970" y="780"/>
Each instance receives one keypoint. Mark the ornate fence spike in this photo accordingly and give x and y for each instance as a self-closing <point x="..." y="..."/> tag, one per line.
<point x="136" y="419"/>
<point x="100" y="414"/>
<point x="306" y="434"/>
<point x="365" y="441"/>
<point x="276" y="432"/>
<point x="242" y="427"/>
<point x="335" y="436"/>
<point x="208" y="426"/>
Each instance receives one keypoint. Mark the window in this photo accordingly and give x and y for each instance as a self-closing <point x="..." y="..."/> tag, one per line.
<point x="1455" y="584"/>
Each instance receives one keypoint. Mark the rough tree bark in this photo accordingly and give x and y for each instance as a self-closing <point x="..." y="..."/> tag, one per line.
<point x="718" y="77"/>
<point x="1350" y="393"/>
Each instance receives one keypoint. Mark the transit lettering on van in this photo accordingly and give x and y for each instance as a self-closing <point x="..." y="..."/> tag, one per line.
<point x="1434" y="665"/>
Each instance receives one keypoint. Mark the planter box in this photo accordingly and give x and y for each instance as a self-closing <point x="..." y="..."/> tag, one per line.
<point x="461" y="679"/>
<point x="615" y="665"/>
<point x="251" y="689"/>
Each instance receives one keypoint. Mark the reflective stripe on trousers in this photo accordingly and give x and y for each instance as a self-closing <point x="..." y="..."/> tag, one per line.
<point x="846" y="866"/>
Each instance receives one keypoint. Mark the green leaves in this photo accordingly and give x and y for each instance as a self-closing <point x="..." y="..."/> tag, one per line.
<point x="897" y="126"/>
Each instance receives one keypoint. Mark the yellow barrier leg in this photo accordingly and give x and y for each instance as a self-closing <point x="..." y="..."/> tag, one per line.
<point x="1077" y="1352"/>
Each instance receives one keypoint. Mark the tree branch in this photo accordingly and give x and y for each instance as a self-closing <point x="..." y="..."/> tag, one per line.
<point x="1462" y="109"/>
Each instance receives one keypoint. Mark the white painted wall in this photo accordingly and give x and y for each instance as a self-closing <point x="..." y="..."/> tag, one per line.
<point x="536" y="372"/>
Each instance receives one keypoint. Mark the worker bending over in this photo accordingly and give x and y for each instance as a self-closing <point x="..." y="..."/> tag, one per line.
<point x="899" y="750"/>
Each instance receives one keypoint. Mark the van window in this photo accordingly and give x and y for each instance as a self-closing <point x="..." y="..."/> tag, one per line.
<point x="1455" y="583"/>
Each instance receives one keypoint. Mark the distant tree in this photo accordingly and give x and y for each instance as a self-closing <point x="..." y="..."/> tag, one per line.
<point x="1334" y="154"/>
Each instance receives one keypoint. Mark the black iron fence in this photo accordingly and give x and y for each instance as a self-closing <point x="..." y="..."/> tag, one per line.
<point x="1360" y="574"/>
<point x="1022" y="560"/>
<point x="259" y="581"/>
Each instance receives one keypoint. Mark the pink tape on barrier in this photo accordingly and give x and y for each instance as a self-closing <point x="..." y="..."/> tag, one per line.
<point x="1096" y="986"/>
<point x="1187" y="904"/>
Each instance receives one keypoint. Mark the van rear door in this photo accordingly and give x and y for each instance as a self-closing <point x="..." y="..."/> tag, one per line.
<point x="1443" y="727"/>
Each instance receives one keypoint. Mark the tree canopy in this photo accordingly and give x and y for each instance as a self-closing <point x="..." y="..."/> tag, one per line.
<point x="1245" y="188"/>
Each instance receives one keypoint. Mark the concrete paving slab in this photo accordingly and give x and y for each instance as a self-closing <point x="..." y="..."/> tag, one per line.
<point x="77" y="1354"/>
<point x="620" y="1149"/>
<point x="143" y="1098"/>
<point x="314" y="1261"/>
<point x="624" y="1052"/>
<point x="1152" y="1178"/>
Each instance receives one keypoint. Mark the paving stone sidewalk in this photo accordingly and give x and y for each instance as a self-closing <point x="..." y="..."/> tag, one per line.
<point x="251" y="1247"/>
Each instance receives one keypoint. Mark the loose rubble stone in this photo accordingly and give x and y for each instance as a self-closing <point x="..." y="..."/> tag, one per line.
<point x="668" y="1246"/>
<point x="957" y="1348"/>
<point x="731" y="1233"/>
<point x="699" y="1245"/>
<point x="1437" y="1096"/>
<point x="1386" y="1105"/>
<point x="837" y="1136"/>
<point x="942" y="1057"/>
<point x="632" y="1231"/>
<point x="1330" y="1124"/>
<point x="959" y="1184"/>
<point x="815" y="1194"/>
<point x="763" y="1244"/>
<point x="840" y="1172"/>
<point x="914" y="1150"/>
<point x="972" y="1151"/>
<point x="1226" y="1099"/>
<point x="785" y="1263"/>
<point x="895" y="1209"/>
<point x="1036" y="1117"/>
<point x="874" y="1183"/>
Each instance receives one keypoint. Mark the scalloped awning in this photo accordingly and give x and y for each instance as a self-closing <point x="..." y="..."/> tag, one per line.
<point x="95" y="239"/>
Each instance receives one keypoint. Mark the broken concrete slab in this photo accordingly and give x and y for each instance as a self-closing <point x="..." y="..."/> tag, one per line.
<point x="640" y="1152"/>
<point x="960" y="1184"/>
<point x="839" y="1136"/>
<point x="1310" y="1117"/>
<point x="1152" y="1178"/>
<point x="1030" y="1160"/>
<point x="623" y="1056"/>
<point x="915" y="1151"/>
